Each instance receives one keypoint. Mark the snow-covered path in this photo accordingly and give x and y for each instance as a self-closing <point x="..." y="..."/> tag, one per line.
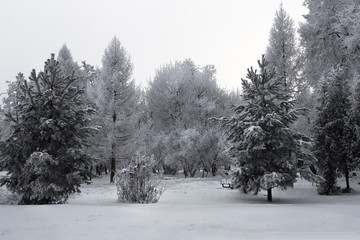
<point x="189" y="209"/>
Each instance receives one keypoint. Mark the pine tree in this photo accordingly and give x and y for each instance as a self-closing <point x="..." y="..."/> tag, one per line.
<point x="43" y="155"/>
<point x="332" y="139"/>
<point x="266" y="149"/>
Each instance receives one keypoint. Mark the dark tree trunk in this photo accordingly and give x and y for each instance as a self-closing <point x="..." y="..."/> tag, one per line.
<point x="347" y="180"/>
<point x="213" y="169"/>
<point x="113" y="163"/>
<point x="269" y="195"/>
<point x="169" y="170"/>
<point x="113" y="168"/>
<point x="192" y="173"/>
<point x="185" y="173"/>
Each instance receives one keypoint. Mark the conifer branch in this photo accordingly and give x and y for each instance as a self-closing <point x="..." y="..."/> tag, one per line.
<point x="29" y="92"/>
<point x="34" y="78"/>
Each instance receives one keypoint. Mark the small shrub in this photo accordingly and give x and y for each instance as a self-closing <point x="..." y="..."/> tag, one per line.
<point x="347" y="190"/>
<point x="134" y="184"/>
<point x="325" y="189"/>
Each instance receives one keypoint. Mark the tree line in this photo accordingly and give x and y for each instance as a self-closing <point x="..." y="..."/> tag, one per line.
<point x="300" y="109"/>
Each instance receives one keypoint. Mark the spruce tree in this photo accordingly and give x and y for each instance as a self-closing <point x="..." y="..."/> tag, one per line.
<point x="265" y="147"/>
<point x="332" y="134"/>
<point x="43" y="155"/>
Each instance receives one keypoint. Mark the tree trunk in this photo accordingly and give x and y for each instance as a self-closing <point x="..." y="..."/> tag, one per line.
<point x="113" y="163"/>
<point x="113" y="166"/>
<point x="185" y="173"/>
<point x="347" y="180"/>
<point x="213" y="169"/>
<point x="192" y="173"/>
<point x="168" y="170"/>
<point x="269" y="195"/>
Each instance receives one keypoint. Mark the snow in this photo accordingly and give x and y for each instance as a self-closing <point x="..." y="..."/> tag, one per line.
<point x="189" y="209"/>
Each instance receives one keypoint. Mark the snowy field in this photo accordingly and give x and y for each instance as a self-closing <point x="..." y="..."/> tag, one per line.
<point x="189" y="209"/>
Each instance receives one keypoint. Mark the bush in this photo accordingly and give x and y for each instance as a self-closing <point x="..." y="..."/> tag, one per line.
<point x="134" y="184"/>
<point x="327" y="189"/>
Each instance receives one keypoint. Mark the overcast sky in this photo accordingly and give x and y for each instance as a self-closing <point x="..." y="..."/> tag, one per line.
<point x="230" y="34"/>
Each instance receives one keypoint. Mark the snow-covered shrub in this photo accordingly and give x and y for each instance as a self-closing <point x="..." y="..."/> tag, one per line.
<point x="134" y="184"/>
<point x="43" y="183"/>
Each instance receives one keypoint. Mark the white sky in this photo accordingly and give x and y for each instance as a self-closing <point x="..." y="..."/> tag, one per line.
<point x="230" y="34"/>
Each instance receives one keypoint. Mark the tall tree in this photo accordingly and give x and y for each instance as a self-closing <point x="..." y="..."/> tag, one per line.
<point x="286" y="57"/>
<point x="266" y="148"/>
<point x="66" y="63"/>
<point x="283" y="52"/>
<point x="44" y="154"/>
<point x="330" y="37"/>
<point x="320" y="39"/>
<point x="346" y="29"/>
<point x="331" y="131"/>
<point x="69" y="67"/>
<point x="114" y="93"/>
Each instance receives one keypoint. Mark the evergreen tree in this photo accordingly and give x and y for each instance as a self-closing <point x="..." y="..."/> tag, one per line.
<point x="10" y="102"/>
<point x="66" y="62"/>
<point x="3" y="124"/>
<point x="282" y="51"/>
<point x="115" y="95"/>
<point x="43" y="155"/>
<point x="332" y="139"/>
<point x="266" y="149"/>
<point x="286" y="57"/>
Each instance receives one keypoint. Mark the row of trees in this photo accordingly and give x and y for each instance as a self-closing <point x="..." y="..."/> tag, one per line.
<point x="63" y="120"/>
<point x="68" y="117"/>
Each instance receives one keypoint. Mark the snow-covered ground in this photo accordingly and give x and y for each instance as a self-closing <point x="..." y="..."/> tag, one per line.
<point x="189" y="209"/>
